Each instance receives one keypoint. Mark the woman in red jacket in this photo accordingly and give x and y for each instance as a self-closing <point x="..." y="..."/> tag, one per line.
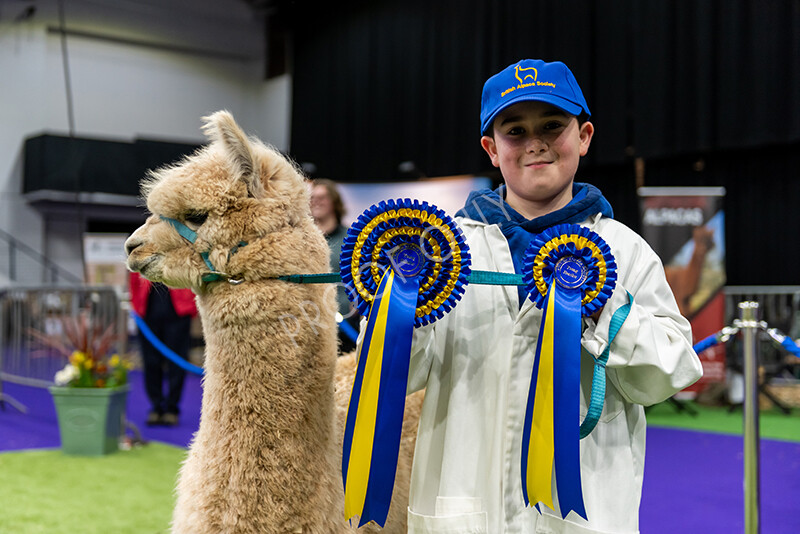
<point x="168" y="313"/>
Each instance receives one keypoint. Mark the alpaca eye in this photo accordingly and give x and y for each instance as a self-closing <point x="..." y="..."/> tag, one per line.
<point x="195" y="217"/>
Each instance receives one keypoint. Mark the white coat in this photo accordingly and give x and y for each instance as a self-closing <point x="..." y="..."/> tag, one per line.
<point x="476" y="365"/>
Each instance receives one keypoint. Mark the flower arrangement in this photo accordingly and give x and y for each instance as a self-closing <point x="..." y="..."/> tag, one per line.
<point x="88" y="346"/>
<point x="85" y="370"/>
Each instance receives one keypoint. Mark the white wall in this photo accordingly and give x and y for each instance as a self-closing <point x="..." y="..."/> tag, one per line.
<point x="163" y="65"/>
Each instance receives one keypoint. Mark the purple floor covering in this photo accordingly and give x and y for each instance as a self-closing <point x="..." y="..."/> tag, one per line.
<point x="693" y="480"/>
<point x="694" y="483"/>
<point x="38" y="428"/>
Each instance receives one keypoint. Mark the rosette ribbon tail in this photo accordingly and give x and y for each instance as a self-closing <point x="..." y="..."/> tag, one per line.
<point x="551" y="430"/>
<point x="375" y="413"/>
<point x="567" y="393"/>
<point x="537" y="431"/>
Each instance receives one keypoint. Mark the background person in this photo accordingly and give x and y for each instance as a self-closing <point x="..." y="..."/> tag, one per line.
<point x="168" y="313"/>
<point x="327" y="209"/>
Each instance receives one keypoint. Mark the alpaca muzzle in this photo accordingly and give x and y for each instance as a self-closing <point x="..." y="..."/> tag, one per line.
<point x="191" y="236"/>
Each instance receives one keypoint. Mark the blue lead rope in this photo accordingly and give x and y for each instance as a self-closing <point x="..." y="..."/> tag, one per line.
<point x="163" y="349"/>
<point x="705" y="343"/>
<point x="349" y="331"/>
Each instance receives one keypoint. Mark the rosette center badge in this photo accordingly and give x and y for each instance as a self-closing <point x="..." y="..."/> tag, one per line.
<point x="408" y="259"/>
<point x="571" y="272"/>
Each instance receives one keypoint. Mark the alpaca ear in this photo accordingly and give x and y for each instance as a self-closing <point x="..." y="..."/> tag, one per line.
<point x="220" y="128"/>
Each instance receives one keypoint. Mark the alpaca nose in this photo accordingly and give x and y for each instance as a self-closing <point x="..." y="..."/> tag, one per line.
<point x="131" y="244"/>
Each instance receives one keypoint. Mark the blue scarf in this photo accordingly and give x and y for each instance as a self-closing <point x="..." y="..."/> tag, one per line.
<point x="490" y="207"/>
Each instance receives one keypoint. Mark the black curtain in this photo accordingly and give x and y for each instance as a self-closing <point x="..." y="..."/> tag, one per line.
<point x="762" y="222"/>
<point x="669" y="83"/>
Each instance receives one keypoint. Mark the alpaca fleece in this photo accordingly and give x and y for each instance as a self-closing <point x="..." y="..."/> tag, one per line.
<point x="267" y="455"/>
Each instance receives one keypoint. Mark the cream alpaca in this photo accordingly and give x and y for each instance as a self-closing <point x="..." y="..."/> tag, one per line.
<point x="267" y="455"/>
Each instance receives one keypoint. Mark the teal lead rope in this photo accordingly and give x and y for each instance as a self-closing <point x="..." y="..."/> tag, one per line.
<point x="327" y="278"/>
<point x="492" y="278"/>
<point x="512" y="279"/>
<point x="599" y="376"/>
<point x="475" y="277"/>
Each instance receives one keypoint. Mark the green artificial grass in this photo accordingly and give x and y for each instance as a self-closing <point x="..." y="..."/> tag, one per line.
<point x="773" y="424"/>
<point x="46" y="491"/>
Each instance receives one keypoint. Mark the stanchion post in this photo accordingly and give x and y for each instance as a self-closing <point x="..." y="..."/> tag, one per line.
<point x="749" y="329"/>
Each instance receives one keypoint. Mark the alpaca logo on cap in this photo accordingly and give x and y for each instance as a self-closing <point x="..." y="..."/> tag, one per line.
<point x="523" y="79"/>
<point x="527" y="77"/>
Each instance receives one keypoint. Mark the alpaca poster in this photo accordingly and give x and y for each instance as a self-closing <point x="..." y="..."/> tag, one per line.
<point x="686" y="228"/>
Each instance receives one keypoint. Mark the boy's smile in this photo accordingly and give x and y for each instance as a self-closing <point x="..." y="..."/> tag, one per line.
<point x="537" y="147"/>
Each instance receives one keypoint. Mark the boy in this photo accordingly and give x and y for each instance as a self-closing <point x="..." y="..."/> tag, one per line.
<point x="476" y="362"/>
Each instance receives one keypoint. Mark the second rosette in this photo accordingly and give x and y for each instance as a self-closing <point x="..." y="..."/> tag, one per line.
<point x="570" y="272"/>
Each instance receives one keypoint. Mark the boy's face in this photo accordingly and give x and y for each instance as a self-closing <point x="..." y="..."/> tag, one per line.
<point x="537" y="148"/>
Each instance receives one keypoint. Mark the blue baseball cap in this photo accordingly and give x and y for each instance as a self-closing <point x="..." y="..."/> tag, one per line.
<point x="531" y="79"/>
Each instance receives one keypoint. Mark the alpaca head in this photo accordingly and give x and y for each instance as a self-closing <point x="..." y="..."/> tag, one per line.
<point x="231" y="194"/>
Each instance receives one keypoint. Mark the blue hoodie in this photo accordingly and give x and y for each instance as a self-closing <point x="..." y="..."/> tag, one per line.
<point x="490" y="207"/>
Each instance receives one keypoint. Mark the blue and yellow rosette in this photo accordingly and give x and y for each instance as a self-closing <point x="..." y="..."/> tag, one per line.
<point x="570" y="272"/>
<point x="404" y="264"/>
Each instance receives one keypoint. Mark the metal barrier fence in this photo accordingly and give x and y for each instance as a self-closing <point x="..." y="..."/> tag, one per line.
<point x="779" y="307"/>
<point x="25" y="311"/>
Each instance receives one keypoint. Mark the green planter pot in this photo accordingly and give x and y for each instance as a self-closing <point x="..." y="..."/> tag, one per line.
<point x="90" y="419"/>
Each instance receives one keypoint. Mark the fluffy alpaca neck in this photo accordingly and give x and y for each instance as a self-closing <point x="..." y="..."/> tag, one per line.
<point x="268" y="390"/>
